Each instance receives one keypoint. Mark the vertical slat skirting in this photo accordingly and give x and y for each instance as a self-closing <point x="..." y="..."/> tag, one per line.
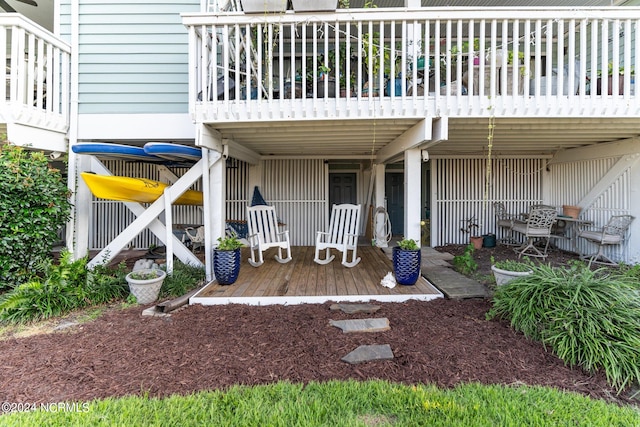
<point x="297" y="190"/>
<point x="238" y="194"/>
<point x="110" y="218"/>
<point x="464" y="201"/>
<point x="566" y="189"/>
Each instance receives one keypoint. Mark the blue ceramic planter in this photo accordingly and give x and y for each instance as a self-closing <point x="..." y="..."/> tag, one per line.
<point x="406" y="265"/>
<point x="226" y="266"/>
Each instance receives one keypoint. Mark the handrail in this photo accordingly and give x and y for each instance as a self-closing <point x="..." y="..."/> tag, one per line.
<point x="36" y="73"/>
<point x="447" y="55"/>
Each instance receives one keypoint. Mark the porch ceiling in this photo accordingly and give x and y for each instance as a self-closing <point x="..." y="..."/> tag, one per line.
<point x="533" y="136"/>
<point x="320" y="138"/>
<point x="357" y="138"/>
<point x="494" y="3"/>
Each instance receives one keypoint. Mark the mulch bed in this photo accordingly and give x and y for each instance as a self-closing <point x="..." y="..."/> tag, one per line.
<point x="443" y="342"/>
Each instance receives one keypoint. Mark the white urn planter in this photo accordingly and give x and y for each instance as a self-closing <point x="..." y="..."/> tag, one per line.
<point x="145" y="284"/>
<point x="505" y="276"/>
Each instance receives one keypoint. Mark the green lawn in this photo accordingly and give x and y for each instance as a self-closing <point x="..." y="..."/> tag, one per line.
<point x="336" y="403"/>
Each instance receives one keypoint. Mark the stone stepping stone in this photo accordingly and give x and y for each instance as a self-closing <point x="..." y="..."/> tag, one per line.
<point x="356" y="308"/>
<point x="368" y="353"/>
<point x="362" y="325"/>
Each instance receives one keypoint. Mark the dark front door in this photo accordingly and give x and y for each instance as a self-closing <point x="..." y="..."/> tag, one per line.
<point x="342" y="189"/>
<point x="394" y="189"/>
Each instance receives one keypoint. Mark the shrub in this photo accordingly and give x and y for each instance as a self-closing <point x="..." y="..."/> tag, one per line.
<point x="512" y="265"/>
<point x="33" y="207"/>
<point x="184" y="278"/>
<point x="63" y="287"/>
<point x="589" y="318"/>
<point x="465" y="263"/>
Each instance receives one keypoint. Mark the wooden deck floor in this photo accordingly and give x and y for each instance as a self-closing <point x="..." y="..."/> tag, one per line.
<point x="303" y="281"/>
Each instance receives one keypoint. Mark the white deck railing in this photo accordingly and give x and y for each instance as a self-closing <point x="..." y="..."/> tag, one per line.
<point x="36" y="91"/>
<point x="453" y="62"/>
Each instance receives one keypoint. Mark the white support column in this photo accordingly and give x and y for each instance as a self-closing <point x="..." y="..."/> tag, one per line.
<point x="412" y="183"/>
<point x="168" y="220"/>
<point x="255" y="177"/>
<point x="213" y="185"/>
<point x="379" y="220"/>
<point x="380" y="195"/>
<point x="78" y="227"/>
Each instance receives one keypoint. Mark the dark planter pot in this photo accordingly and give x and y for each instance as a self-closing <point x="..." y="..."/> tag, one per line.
<point x="610" y="85"/>
<point x="406" y="265"/>
<point x="489" y="240"/>
<point x="331" y="88"/>
<point x="226" y="266"/>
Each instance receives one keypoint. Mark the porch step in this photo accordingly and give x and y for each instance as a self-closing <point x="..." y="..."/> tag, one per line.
<point x="453" y="284"/>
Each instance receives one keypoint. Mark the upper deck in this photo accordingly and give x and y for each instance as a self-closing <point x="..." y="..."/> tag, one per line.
<point x="446" y="62"/>
<point x="274" y="81"/>
<point x="34" y="106"/>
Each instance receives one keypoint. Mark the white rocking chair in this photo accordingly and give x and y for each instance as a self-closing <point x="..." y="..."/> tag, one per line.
<point x="342" y="235"/>
<point x="264" y="234"/>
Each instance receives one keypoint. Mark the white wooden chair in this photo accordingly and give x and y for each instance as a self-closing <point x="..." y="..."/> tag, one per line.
<point x="614" y="233"/>
<point x="342" y="235"/>
<point x="264" y="233"/>
<point x="196" y="236"/>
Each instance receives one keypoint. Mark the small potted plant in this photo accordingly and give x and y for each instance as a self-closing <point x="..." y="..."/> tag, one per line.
<point x="226" y="259"/>
<point x="507" y="270"/>
<point x="406" y="262"/>
<point x="145" y="284"/>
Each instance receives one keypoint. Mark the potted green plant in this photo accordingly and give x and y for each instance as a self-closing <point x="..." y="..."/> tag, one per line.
<point x="372" y="48"/>
<point x="145" y="284"/>
<point x="339" y="61"/>
<point x="507" y="270"/>
<point x="610" y="75"/>
<point x="226" y="259"/>
<point x="406" y="261"/>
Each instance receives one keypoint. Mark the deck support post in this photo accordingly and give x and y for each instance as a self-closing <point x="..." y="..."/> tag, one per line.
<point x="412" y="184"/>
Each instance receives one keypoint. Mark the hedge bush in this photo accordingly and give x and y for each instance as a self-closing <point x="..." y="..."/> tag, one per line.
<point x="589" y="318"/>
<point x="62" y="287"/>
<point x="33" y="207"/>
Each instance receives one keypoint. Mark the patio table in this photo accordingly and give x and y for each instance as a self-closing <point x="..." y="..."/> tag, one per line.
<point x="570" y="230"/>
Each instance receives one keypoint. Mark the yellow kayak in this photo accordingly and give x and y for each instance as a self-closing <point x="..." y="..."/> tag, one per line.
<point x="139" y="190"/>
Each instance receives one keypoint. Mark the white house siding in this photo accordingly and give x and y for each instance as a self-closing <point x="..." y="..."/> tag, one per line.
<point x="132" y="55"/>
<point x="459" y="194"/>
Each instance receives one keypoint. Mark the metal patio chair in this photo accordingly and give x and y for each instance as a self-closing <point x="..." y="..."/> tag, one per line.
<point x="342" y="235"/>
<point x="506" y="221"/>
<point x="538" y="226"/>
<point x="264" y="233"/>
<point x="613" y="233"/>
